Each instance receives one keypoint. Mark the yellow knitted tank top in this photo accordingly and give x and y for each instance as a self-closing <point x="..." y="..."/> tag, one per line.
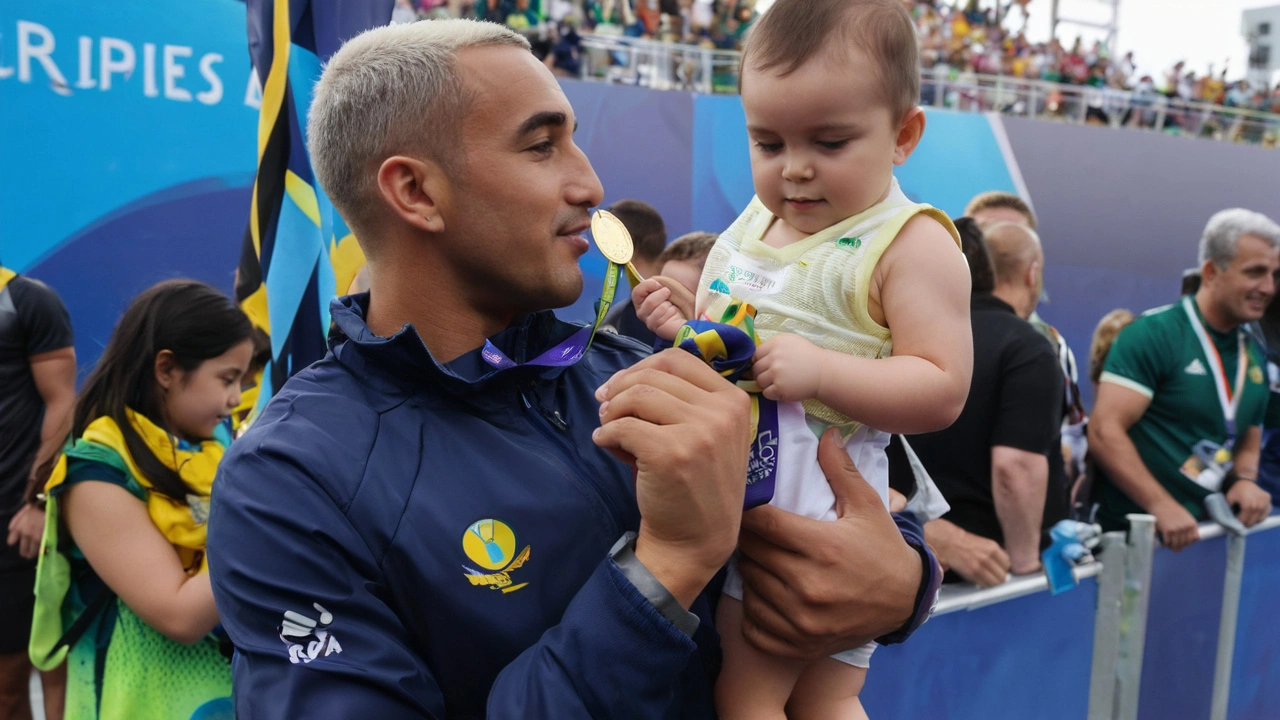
<point x="816" y="288"/>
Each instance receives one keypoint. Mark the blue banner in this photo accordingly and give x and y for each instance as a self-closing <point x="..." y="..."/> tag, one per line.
<point x="128" y="148"/>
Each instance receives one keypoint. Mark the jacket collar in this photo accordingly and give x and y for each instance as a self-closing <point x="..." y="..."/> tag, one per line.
<point x="402" y="363"/>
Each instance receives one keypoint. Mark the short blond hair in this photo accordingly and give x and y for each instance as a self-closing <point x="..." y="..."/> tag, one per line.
<point x="792" y="32"/>
<point x="997" y="199"/>
<point x="392" y="90"/>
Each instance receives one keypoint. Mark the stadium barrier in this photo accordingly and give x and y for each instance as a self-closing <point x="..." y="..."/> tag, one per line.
<point x="1184" y="635"/>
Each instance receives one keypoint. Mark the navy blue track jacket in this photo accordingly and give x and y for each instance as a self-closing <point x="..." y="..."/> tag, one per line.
<point x="396" y="538"/>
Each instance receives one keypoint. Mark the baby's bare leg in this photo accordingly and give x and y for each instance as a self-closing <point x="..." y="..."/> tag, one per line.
<point x="752" y="684"/>
<point x="828" y="690"/>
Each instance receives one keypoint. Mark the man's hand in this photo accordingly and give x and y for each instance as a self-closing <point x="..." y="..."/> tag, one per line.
<point x="1176" y="526"/>
<point x="663" y="305"/>
<point x="788" y="368"/>
<point x="687" y="432"/>
<point x="977" y="559"/>
<point x="1252" y="503"/>
<point x="25" y="530"/>
<point x="812" y="588"/>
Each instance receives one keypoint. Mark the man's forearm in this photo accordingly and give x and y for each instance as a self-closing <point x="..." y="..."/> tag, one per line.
<point x="1119" y="458"/>
<point x="53" y="434"/>
<point x="941" y="534"/>
<point x="1248" y="454"/>
<point x="1018" y="490"/>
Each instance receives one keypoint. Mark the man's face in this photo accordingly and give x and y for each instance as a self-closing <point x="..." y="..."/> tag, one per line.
<point x="517" y="210"/>
<point x="1245" y="287"/>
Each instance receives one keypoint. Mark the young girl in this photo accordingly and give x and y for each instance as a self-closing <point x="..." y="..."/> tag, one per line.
<point x="131" y="500"/>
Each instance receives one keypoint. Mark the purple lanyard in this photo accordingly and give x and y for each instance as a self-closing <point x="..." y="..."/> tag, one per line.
<point x="571" y="349"/>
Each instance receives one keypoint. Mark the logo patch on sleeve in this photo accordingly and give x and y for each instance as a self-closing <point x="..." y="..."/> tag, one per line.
<point x="307" y="637"/>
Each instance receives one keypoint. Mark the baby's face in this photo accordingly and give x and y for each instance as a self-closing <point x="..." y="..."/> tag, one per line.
<point x="823" y="139"/>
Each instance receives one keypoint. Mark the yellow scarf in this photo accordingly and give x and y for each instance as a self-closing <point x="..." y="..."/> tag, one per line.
<point x="184" y="525"/>
<point x="5" y="276"/>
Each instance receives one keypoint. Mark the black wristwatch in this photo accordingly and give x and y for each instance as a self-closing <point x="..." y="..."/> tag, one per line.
<point x="623" y="555"/>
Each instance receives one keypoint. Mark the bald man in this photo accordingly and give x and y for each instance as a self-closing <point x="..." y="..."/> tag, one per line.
<point x="993" y="463"/>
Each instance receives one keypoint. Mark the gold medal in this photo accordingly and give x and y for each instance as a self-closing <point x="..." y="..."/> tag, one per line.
<point x="614" y="242"/>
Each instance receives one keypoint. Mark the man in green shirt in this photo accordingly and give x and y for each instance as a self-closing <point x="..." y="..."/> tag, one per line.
<point x="1187" y="375"/>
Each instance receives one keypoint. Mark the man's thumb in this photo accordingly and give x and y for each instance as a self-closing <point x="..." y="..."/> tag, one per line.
<point x="853" y="492"/>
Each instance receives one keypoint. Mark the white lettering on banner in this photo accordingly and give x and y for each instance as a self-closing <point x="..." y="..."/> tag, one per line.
<point x="149" y="88"/>
<point x="41" y="52"/>
<point x="214" y="93"/>
<point x="86" y="80"/>
<point x="108" y="63"/>
<point x="174" y="71"/>
<point x="115" y="61"/>
<point x="5" y="72"/>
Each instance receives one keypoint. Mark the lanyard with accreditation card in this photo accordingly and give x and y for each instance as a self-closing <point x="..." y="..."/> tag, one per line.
<point x="1214" y="461"/>
<point x="615" y="244"/>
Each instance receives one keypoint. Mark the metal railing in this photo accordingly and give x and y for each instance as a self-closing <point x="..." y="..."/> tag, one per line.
<point x="1124" y="569"/>
<point x="659" y="65"/>
<point x="669" y="66"/>
<point x="955" y="598"/>
<point x="1099" y="105"/>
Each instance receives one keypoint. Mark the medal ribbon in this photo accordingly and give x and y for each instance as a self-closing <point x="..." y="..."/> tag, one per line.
<point x="1228" y="396"/>
<point x="728" y="347"/>
<point x="571" y="349"/>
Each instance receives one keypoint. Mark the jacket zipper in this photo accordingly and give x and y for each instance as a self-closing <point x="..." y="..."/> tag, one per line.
<point x="542" y="418"/>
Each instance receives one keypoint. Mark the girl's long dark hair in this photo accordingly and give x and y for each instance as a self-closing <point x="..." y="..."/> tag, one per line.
<point x="190" y="319"/>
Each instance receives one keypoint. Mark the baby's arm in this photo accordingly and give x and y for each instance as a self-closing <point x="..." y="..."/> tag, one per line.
<point x="921" y="285"/>
<point x="663" y="305"/>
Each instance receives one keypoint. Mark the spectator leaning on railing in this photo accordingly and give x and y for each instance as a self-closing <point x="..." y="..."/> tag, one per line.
<point x="988" y="209"/>
<point x="1183" y="392"/>
<point x="992" y="464"/>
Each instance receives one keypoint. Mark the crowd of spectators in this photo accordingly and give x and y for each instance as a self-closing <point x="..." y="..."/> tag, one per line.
<point x="957" y="39"/>
<point x="709" y="23"/>
<point x="960" y="43"/>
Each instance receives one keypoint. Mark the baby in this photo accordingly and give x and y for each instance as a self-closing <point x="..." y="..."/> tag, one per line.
<point x="862" y="295"/>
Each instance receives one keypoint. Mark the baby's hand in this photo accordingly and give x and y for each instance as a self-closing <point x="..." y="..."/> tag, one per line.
<point x="788" y="368"/>
<point x="658" y="302"/>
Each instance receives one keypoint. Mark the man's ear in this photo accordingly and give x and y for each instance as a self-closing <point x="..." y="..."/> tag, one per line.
<point x="415" y="190"/>
<point x="1208" y="271"/>
<point x="909" y="134"/>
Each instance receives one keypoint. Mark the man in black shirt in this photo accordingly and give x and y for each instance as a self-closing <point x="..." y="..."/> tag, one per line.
<point x="37" y="393"/>
<point x="992" y="464"/>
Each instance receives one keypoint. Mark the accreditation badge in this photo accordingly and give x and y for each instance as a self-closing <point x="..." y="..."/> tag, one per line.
<point x="1208" y="465"/>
